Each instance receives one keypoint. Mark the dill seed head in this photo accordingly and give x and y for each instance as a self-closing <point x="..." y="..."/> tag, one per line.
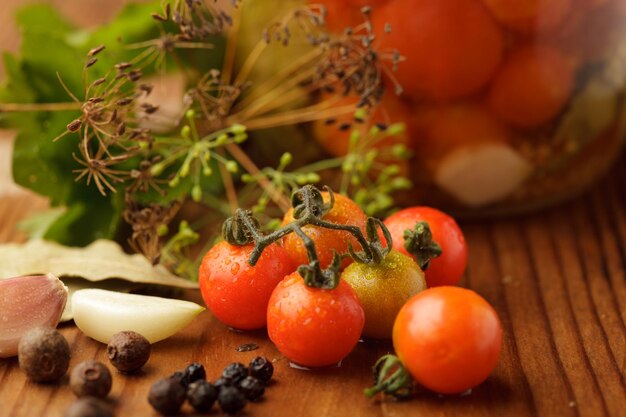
<point x="95" y="51"/>
<point x="74" y="125"/>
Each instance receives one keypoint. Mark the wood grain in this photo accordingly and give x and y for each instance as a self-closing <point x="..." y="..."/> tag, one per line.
<point x="556" y="279"/>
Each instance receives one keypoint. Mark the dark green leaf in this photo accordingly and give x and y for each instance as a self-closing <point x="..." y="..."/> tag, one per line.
<point x="42" y="18"/>
<point x="87" y="219"/>
<point x="42" y="165"/>
<point x="45" y="55"/>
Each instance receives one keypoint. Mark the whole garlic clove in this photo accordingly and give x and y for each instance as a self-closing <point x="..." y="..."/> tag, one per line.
<point x="482" y="174"/>
<point x="100" y="314"/>
<point x="28" y="302"/>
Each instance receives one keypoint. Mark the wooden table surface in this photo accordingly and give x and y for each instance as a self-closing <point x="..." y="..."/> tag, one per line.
<point x="557" y="280"/>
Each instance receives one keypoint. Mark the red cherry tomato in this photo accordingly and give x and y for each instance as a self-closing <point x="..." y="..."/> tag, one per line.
<point x="448" y="338"/>
<point x="452" y="47"/>
<point x="314" y="327"/>
<point x="237" y="293"/>
<point x="345" y="211"/>
<point x="448" y="268"/>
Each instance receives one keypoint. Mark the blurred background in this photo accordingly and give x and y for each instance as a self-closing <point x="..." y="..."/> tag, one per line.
<point x="84" y="13"/>
<point x="509" y="106"/>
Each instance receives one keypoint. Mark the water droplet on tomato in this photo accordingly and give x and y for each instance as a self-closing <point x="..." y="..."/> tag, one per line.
<point x="466" y="393"/>
<point x="300" y="367"/>
<point x="234" y="268"/>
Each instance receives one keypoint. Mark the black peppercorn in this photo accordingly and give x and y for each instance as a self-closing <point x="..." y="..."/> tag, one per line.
<point x="179" y="376"/>
<point x="201" y="395"/>
<point x="167" y="396"/>
<point x="230" y="399"/>
<point x="261" y="369"/>
<point x="194" y="372"/>
<point x="43" y="354"/>
<point x="128" y="351"/>
<point x="90" y="378"/>
<point x="221" y="382"/>
<point x="251" y="388"/>
<point x="88" y="407"/>
<point x="235" y="372"/>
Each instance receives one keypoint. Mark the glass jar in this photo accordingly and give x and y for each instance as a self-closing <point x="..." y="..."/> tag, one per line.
<point x="514" y="104"/>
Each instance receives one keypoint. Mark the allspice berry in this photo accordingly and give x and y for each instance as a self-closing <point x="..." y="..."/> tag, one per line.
<point x="43" y="354"/>
<point x="88" y="407"/>
<point x="128" y="351"/>
<point x="90" y="379"/>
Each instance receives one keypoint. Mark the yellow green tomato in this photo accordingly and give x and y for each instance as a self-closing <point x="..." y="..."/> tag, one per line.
<point x="383" y="289"/>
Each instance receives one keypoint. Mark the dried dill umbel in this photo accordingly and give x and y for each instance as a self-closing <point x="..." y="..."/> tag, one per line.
<point x="346" y="64"/>
<point x="202" y="157"/>
<point x="147" y="222"/>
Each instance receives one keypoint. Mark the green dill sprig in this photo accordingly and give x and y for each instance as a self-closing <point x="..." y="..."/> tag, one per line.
<point x="175" y="254"/>
<point x="115" y="151"/>
<point x="282" y="181"/>
<point x="197" y="153"/>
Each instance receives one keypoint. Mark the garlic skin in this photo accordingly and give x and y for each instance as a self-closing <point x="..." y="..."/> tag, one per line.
<point x="28" y="302"/>
<point x="101" y="313"/>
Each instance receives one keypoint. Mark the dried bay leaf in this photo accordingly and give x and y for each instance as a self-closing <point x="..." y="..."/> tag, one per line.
<point x="103" y="259"/>
<point x="103" y="264"/>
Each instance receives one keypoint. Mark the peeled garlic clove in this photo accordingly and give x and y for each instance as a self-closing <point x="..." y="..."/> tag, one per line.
<point x="482" y="174"/>
<point x="26" y="303"/>
<point x="100" y="314"/>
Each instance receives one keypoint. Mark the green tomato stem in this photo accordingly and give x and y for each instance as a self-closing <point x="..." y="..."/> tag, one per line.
<point x="419" y="243"/>
<point x="309" y="208"/>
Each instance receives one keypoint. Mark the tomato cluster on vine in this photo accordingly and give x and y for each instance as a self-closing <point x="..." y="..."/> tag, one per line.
<point x="330" y="276"/>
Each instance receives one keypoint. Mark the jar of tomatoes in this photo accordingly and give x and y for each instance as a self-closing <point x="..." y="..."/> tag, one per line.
<point x="509" y="104"/>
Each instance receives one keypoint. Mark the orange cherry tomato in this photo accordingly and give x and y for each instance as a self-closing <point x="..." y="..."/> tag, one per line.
<point x="532" y="86"/>
<point x="237" y="293"/>
<point x="448" y="268"/>
<point x="529" y="15"/>
<point x="311" y="326"/>
<point x="441" y="129"/>
<point x="449" y="339"/>
<point x="452" y="47"/>
<point x="341" y="14"/>
<point x="327" y="242"/>
<point x="336" y="141"/>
